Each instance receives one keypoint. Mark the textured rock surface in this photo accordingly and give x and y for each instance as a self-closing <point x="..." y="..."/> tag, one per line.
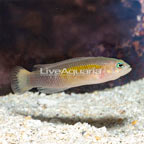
<point x="111" y="116"/>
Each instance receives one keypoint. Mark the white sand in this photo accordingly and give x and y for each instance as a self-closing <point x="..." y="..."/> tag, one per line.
<point x="111" y="116"/>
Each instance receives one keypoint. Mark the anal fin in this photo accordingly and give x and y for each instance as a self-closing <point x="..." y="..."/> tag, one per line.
<point x="51" y="90"/>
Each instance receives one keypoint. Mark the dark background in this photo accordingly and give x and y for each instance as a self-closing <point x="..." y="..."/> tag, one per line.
<point x="46" y="31"/>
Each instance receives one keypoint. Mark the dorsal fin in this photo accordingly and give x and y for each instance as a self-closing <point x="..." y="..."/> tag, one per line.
<point x="36" y="67"/>
<point x="61" y="62"/>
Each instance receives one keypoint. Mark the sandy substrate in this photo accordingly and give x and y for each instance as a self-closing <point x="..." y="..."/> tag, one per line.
<point x="111" y="116"/>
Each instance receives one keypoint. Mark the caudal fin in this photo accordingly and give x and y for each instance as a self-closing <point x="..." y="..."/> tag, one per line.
<point x="20" y="80"/>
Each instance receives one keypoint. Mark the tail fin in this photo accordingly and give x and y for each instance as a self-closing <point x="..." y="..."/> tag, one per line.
<point x="20" y="80"/>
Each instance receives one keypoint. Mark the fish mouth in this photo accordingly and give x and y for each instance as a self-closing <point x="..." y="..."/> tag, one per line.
<point x="128" y="69"/>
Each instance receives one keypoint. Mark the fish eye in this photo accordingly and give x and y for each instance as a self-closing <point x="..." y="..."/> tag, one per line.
<point x="120" y="65"/>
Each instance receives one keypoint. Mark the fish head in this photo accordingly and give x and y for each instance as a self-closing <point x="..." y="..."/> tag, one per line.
<point x="116" y="68"/>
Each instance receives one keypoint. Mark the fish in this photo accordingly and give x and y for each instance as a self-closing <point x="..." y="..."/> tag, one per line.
<point x="66" y="74"/>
